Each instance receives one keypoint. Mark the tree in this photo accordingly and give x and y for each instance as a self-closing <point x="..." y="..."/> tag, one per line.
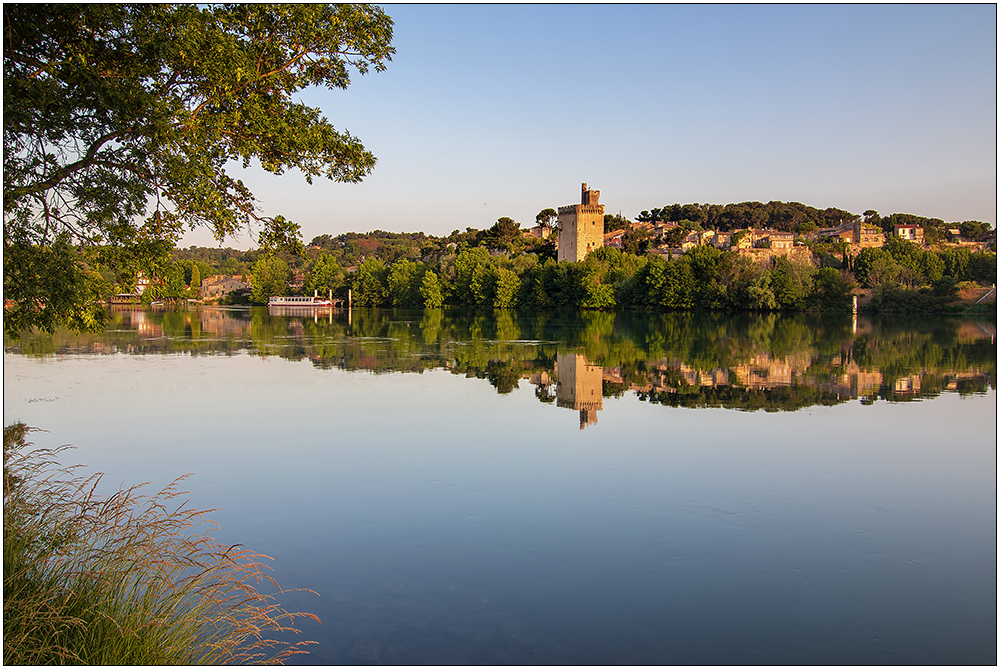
<point x="472" y="274"/>
<point x="546" y="217"/>
<point x="268" y="277"/>
<point x="805" y="227"/>
<point x="614" y="222"/>
<point x="875" y="267"/>
<point x="326" y="275"/>
<point x="505" y="288"/>
<point x="790" y="283"/>
<point x="596" y="294"/>
<point x="369" y="286"/>
<point x="673" y="237"/>
<point x="195" y="276"/>
<point x="545" y="249"/>
<point x="983" y="267"/>
<point x="430" y="291"/>
<point x="505" y="234"/>
<point x="669" y="284"/>
<point x="636" y="241"/>
<point x="119" y="122"/>
<point x="831" y="291"/>
<point x="404" y="283"/>
<point x="169" y="285"/>
<point x="975" y="230"/>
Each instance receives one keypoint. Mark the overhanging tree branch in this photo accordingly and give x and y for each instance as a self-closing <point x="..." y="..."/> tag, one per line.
<point x="128" y="104"/>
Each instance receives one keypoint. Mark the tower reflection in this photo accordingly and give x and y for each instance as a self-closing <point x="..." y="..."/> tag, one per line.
<point x="579" y="386"/>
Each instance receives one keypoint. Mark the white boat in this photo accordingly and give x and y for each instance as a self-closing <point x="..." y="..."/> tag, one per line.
<point x="296" y="301"/>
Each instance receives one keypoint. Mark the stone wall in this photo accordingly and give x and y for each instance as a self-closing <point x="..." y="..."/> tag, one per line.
<point x="798" y="254"/>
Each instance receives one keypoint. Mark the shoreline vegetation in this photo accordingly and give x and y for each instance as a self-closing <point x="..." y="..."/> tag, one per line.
<point x="124" y="579"/>
<point x="504" y="267"/>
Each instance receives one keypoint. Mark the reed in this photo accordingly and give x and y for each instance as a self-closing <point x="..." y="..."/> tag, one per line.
<point x="127" y="578"/>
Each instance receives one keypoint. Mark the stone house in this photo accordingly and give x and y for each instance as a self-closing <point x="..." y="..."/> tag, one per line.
<point x="913" y="233"/>
<point x="614" y="239"/>
<point x="642" y="225"/>
<point x="758" y="236"/>
<point x="855" y="232"/>
<point x="663" y="226"/>
<point x="669" y="253"/>
<point x="868" y="235"/>
<point x="540" y="231"/>
<point x="219" y="285"/>
<point x="745" y="239"/>
<point x="841" y="233"/>
<point x="780" y="240"/>
<point x="724" y="240"/>
<point x="705" y="237"/>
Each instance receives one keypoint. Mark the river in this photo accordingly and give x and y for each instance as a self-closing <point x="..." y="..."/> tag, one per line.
<point x="589" y="488"/>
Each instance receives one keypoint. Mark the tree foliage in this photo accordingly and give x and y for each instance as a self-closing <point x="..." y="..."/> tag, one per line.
<point x="404" y="281"/>
<point x="504" y="235"/>
<point x="120" y="121"/>
<point x="326" y="276"/>
<point x="268" y="277"/>
<point x="546" y="216"/>
<point x="430" y="291"/>
<point x="786" y="216"/>
<point x="370" y="284"/>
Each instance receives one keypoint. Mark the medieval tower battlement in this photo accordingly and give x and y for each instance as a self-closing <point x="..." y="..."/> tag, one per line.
<point x="581" y="226"/>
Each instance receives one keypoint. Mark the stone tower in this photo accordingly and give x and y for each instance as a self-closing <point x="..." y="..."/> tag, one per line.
<point x="581" y="226"/>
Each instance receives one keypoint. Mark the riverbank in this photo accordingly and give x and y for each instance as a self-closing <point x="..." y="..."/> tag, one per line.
<point x="944" y="298"/>
<point x="128" y="579"/>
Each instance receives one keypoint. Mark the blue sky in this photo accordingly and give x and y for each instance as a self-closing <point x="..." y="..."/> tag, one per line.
<point x="503" y="110"/>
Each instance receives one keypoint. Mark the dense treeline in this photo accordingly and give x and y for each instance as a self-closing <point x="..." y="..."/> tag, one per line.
<point x="907" y="278"/>
<point x="935" y="229"/>
<point x="704" y="278"/>
<point x="351" y="249"/>
<point x="902" y="263"/>
<point x="785" y="216"/>
<point x="498" y="272"/>
<point x="903" y="275"/>
<point x="796" y="217"/>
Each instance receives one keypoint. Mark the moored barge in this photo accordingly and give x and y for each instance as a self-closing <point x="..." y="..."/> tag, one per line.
<point x="297" y="301"/>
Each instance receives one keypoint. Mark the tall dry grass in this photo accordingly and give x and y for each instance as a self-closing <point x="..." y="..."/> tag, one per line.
<point x="128" y="578"/>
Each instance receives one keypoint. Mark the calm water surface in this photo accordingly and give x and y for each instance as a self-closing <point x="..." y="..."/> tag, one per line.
<point x="566" y="489"/>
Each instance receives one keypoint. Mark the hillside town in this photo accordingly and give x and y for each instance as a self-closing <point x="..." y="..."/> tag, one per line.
<point x="413" y="269"/>
<point x="762" y="243"/>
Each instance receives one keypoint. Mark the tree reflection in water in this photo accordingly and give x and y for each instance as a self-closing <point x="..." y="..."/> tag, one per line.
<point x="748" y="362"/>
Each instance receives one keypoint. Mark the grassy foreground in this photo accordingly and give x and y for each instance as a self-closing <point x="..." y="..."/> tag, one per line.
<point x="124" y="579"/>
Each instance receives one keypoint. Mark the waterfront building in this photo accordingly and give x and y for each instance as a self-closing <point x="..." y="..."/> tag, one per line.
<point x="219" y="285"/>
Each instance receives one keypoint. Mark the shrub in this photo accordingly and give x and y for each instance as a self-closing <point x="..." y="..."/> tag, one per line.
<point x="124" y="579"/>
